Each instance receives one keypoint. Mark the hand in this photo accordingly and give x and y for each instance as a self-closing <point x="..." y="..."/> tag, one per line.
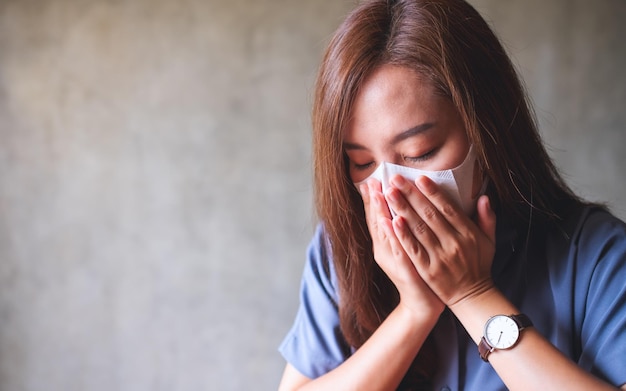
<point x="451" y="253"/>
<point x="391" y="257"/>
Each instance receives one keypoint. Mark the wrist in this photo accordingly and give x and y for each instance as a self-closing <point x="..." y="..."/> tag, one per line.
<point x="423" y="316"/>
<point x="473" y="312"/>
<point x="476" y="292"/>
<point x="482" y="294"/>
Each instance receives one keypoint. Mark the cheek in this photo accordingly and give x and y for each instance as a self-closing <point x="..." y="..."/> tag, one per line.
<point x="357" y="176"/>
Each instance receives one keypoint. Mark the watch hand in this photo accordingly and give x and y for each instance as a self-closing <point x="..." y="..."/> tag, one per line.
<point x="499" y="338"/>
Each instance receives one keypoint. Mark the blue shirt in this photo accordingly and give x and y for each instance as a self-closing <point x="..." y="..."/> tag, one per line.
<point x="570" y="281"/>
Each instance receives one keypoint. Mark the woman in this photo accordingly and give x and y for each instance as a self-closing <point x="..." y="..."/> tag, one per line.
<point x="416" y="286"/>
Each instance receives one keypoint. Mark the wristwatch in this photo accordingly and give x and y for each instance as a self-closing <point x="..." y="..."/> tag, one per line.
<point x="502" y="332"/>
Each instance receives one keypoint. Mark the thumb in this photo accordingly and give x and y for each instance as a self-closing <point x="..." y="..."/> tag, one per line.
<point x="486" y="217"/>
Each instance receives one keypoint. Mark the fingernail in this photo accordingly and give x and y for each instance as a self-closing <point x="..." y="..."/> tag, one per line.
<point x="391" y="195"/>
<point x="371" y="184"/>
<point x="363" y="189"/>
<point x="424" y="183"/>
<point x="397" y="180"/>
<point x="399" y="221"/>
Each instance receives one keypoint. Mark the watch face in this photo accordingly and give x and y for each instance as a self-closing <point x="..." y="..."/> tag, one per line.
<point x="501" y="332"/>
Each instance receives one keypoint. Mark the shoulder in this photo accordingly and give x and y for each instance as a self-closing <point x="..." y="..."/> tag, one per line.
<point x="319" y="267"/>
<point x="315" y="344"/>
<point x="600" y="247"/>
<point x="599" y="252"/>
<point x="587" y="257"/>
<point x="584" y="254"/>
<point x="587" y="228"/>
<point x="596" y="232"/>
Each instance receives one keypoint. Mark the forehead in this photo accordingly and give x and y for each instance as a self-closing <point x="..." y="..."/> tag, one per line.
<point x="393" y="99"/>
<point x="392" y="83"/>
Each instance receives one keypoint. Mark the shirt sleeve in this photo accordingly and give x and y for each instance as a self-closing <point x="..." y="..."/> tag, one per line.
<point x="602" y="252"/>
<point x="315" y="344"/>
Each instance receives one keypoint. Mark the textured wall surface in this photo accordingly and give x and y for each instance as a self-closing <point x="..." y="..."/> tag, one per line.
<point x="155" y="196"/>
<point x="572" y="56"/>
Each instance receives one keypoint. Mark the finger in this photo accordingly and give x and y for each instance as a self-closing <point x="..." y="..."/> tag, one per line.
<point x="449" y="217"/>
<point x="380" y="207"/>
<point x="486" y="217"/>
<point x="371" y="218"/>
<point x="367" y="199"/>
<point x="367" y="206"/>
<point x="416" y="209"/>
<point x="389" y="235"/>
<point x="365" y="194"/>
<point x="374" y="208"/>
<point x="409" y="243"/>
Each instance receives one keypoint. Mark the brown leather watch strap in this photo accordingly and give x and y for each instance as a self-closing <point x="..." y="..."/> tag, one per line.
<point x="484" y="349"/>
<point x="522" y="321"/>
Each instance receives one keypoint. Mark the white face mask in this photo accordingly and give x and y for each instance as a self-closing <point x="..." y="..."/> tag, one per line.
<point x="458" y="182"/>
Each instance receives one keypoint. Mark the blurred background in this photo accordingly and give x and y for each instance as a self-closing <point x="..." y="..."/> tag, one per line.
<point x="155" y="179"/>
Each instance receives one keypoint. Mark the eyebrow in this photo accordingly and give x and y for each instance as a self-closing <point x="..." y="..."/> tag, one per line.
<point x="419" y="129"/>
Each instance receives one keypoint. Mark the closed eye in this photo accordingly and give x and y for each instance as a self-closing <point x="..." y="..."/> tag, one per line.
<point x="422" y="158"/>
<point x="362" y="167"/>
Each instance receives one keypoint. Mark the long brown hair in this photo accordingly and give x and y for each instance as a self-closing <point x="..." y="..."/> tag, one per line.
<point x="448" y="43"/>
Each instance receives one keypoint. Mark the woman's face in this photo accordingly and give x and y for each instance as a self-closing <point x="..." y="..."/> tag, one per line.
<point x="398" y="118"/>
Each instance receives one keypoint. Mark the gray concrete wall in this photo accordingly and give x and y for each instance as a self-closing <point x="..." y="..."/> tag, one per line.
<point x="155" y="196"/>
<point x="572" y="56"/>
